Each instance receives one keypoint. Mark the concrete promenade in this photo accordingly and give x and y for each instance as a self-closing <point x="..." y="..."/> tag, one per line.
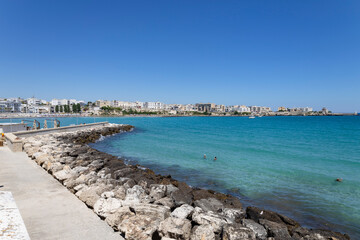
<point x="48" y="209"/>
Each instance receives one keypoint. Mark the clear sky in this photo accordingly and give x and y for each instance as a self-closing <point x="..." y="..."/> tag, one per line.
<point x="272" y="53"/>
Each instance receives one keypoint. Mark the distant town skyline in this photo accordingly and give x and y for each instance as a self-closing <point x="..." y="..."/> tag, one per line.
<point x="263" y="53"/>
<point x="273" y="107"/>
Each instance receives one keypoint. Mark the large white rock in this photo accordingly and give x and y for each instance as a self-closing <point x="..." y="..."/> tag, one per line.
<point x="215" y="220"/>
<point x="139" y="227"/>
<point x="176" y="228"/>
<point x="166" y="201"/>
<point x="103" y="207"/>
<point x="158" y="211"/>
<point x="157" y="191"/>
<point x="259" y="230"/>
<point x="64" y="174"/>
<point x="88" y="195"/>
<point x="122" y="213"/>
<point x="231" y="232"/>
<point x="234" y="214"/>
<point x="134" y="195"/>
<point x="203" y="232"/>
<point x="184" y="211"/>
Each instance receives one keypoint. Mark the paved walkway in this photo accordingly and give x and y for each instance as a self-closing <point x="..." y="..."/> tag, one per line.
<point x="48" y="209"/>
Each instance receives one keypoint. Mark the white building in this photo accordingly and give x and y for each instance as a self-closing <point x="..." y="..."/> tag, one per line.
<point x="153" y="105"/>
<point x="10" y="105"/>
<point x="301" y="110"/>
<point x="306" y="109"/>
<point x="55" y="102"/>
<point x="257" y="109"/>
<point x="38" y="109"/>
<point x="103" y="103"/>
<point x="33" y="101"/>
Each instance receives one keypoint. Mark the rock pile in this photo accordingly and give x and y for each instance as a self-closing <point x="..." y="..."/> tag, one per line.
<point x="142" y="205"/>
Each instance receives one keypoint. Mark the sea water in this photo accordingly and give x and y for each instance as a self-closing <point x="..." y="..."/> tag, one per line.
<point x="285" y="164"/>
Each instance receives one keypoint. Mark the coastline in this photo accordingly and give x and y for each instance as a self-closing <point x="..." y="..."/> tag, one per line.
<point x="135" y="185"/>
<point x="24" y="116"/>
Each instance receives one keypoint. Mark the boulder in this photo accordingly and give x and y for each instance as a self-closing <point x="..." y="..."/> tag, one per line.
<point x="276" y="230"/>
<point x="234" y="214"/>
<point x="79" y="187"/>
<point x="215" y="220"/>
<point x="129" y="184"/>
<point x="80" y="169"/>
<point x="117" y="217"/>
<point x="103" y="207"/>
<point x="210" y="204"/>
<point x="134" y="195"/>
<point x="256" y="214"/>
<point x="42" y="157"/>
<point x="64" y="174"/>
<point x="54" y="167"/>
<point x="70" y="182"/>
<point x="120" y="192"/>
<point x="236" y="232"/>
<point x="96" y="164"/>
<point x="157" y="191"/>
<point x="181" y="198"/>
<point x="175" y="228"/>
<point x="202" y="232"/>
<point x="258" y="229"/>
<point x="122" y="172"/>
<point x="77" y="150"/>
<point x="139" y="227"/>
<point x="160" y="212"/>
<point x="184" y="211"/>
<point x="166" y="201"/>
<point x="170" y="189"/>
<point x="88" y="196"/>
<point x="108" y="194"/>
<point x="301" y="233"/>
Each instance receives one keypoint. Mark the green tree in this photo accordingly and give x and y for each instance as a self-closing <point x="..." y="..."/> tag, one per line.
<point x="57" y="108"/>
<point x="74" y="108"/>
<point x="78" y="107"/>
<point x="61" y="108"/>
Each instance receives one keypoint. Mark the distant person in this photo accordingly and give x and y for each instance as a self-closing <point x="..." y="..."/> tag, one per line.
<point x="204" y="156"/>
<point x="339" y="179"/>
<point x="215" y="158"/>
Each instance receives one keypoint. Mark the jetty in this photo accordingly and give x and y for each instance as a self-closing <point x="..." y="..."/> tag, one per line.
<point x="47" y="208"/>
<point x="65" y="189"/>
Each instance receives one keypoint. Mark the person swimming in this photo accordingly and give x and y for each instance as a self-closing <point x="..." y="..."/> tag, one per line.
<point x="215" y="158"/>
<point x="339" y="180"/>
<point x="204" y="156"/>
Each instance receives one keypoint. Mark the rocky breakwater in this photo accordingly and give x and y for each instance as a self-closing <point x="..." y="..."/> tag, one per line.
<point x="142" y="205"/>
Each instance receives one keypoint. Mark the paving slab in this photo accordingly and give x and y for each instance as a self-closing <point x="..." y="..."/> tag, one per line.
<point x="48" y="209"/>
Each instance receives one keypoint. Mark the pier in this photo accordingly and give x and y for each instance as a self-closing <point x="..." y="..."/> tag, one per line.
<point x="48" y="209"/>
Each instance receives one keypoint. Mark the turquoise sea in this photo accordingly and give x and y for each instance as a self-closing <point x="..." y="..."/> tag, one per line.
<point x="286" y="164"/>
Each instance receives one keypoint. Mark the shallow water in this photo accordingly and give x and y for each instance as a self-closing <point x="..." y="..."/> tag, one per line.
<point x="287" y="164"/>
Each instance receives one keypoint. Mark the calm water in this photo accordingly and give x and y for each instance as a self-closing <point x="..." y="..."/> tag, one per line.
<point x="287" y="164"/>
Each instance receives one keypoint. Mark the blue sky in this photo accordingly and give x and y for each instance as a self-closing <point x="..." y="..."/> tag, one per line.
<point x="272" y="53"/>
